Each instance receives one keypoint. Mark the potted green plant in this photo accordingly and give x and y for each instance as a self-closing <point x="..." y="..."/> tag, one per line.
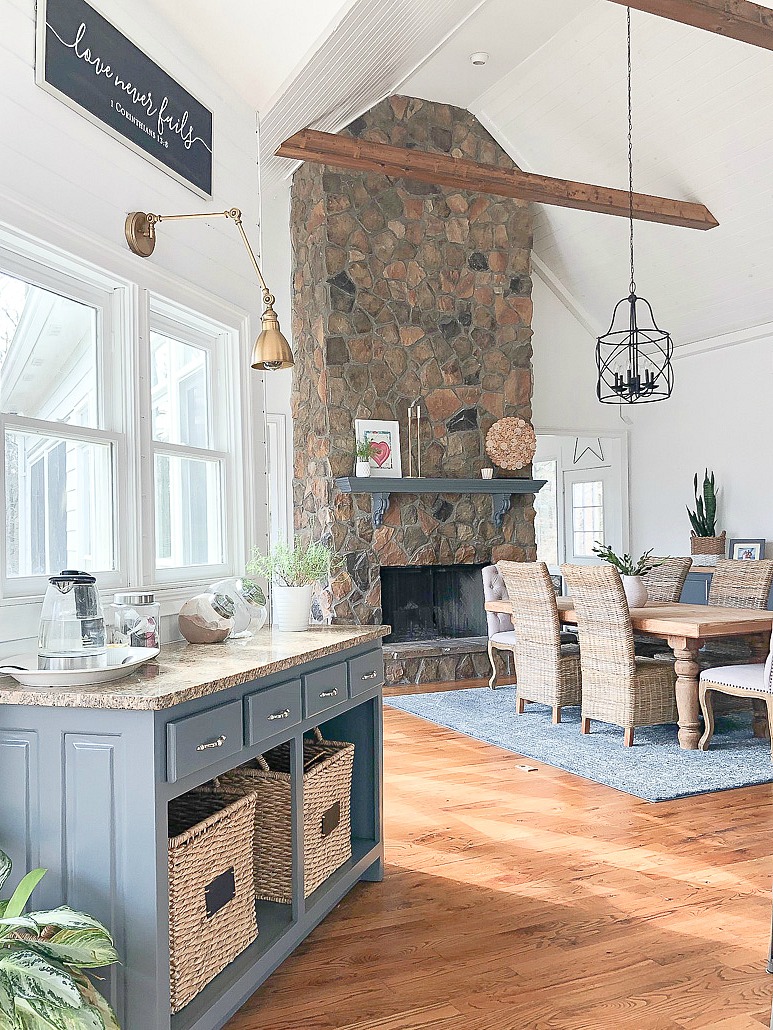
<point x="363" y="452"/>
<point x="631" y="571"/>
<point x="42" y="960"/>
<point x="293" y="571"/>
<point x="703" y="538"/>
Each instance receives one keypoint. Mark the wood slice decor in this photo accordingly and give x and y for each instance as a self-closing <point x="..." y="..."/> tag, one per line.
<point x="511" y="443"/>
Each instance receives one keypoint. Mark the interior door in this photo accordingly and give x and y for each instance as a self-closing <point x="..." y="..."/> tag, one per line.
<point x="592" y="512"/>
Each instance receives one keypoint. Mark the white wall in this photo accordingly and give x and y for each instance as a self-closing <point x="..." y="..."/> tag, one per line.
<point x="565" y="370"/>
<point x="66" y="182"/>
<point x="719" y="416"/>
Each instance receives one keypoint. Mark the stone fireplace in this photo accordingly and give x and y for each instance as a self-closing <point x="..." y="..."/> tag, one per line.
<point x="406" y="290"/>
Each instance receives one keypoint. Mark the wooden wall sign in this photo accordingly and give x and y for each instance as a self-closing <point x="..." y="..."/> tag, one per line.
<point x="92" y="67"/>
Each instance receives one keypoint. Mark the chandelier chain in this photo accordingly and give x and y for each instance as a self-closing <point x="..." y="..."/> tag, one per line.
<point x="630" y="151"/>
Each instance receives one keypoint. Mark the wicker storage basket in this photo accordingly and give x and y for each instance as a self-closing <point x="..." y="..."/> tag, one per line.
<point x="211" y="888"/>
<point x="327" y="838"/>
<point x="709" y="544"/>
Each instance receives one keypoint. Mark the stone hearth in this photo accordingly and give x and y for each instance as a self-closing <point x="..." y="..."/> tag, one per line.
<point x="401" y="290"/>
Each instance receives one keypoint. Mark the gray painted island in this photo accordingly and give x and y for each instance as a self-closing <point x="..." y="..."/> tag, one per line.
<point x="87" y="775"/>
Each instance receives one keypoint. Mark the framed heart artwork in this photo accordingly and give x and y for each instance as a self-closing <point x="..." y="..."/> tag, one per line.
<point x="385" y="436"/>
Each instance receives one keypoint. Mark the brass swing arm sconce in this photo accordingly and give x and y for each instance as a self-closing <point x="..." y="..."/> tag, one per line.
<point x="271" y="350"/>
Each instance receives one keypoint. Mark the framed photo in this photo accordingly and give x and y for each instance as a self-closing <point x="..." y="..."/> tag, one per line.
<point x="747" y="550"/>
<point x="385" y="437"/>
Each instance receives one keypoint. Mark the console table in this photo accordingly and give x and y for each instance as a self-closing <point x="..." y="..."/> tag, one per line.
<point x="87" y="776"/>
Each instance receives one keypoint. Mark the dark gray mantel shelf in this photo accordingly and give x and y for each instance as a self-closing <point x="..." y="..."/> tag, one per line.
<point x="381" y="487"/>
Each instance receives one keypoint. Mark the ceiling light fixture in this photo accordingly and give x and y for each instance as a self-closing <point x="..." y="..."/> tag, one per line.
<point x="633" y="360"/>
<point x="479" y="58"/>
<point x="271" y="350"/>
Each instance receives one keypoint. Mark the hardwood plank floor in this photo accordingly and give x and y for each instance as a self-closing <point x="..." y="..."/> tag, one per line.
<point x="521" y="900"/>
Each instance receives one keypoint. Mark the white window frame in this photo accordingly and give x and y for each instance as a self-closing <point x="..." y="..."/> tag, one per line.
<point x="114" y="288"/>
<point x="221" y="344"/>
<point x="93" y="291"/>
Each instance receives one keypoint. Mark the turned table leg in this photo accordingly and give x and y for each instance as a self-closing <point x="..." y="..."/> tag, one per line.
<point x="759" y="645"/>
<point x="687" y="672"/>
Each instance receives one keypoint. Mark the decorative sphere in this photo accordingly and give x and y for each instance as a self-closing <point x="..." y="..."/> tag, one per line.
<point x="511" y="443"/>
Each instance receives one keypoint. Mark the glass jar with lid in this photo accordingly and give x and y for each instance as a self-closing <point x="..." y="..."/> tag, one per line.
<point x="136" y="619"/>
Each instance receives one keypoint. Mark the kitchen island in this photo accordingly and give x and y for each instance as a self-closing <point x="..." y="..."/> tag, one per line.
<point x="87" y="775"/>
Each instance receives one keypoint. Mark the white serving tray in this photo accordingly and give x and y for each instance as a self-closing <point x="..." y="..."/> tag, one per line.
<point x="121" y="662"/>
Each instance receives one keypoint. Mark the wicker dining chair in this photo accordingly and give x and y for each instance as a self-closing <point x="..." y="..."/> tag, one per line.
<point x="664" y="586"/>
<point x="548" y="671"/>
<point x="666" y="581"/>
<point x="736" y="584"/>
<point x="617" y="686"/>
<point x="751" y="682"/>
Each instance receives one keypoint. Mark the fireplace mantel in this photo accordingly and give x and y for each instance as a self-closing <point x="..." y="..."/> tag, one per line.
<point x="381" y="487"/>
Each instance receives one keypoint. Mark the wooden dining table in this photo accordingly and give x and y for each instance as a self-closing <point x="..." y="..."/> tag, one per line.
<point x="687" y="627"/>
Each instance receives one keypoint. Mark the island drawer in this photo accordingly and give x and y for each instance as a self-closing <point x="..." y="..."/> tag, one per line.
<point x="366" y="671"/>
<point x="325" y="688"/>
<point x="271" y="710"/>
<point x="200" y="740"/>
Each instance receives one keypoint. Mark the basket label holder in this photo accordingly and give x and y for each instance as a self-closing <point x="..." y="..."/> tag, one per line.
<point x="220" y="892"/>
<point x="331" y="819"/>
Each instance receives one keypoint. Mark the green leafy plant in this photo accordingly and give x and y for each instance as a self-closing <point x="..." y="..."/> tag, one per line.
<point x="42" y="958"/>
<point x="704" y="518"/>
<point x="625" y="564"/>
<point x="363" y="450"/>
<point x="294" y="566"/>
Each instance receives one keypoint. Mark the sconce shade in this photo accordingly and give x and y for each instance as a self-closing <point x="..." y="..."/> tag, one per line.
<point x="271" y="350"/>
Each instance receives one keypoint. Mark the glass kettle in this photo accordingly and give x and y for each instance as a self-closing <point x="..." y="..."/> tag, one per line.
<point x="72" y="624"/>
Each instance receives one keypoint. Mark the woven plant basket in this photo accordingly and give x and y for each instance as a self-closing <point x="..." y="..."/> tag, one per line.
<point x="327" y="837"/>
<point x="211" y="888"/>
<point x="709" y="544"/>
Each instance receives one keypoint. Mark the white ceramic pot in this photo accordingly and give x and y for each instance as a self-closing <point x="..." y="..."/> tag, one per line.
<point x="362" y="469"/>
<point x="635" y="591"/>
<point x="291" y="608"/>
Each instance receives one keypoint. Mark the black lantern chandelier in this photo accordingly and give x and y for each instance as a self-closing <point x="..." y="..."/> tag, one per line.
<point x="633" y="357"/>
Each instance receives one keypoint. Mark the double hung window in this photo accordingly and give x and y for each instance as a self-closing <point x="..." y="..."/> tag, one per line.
<point x="120" y="432"/>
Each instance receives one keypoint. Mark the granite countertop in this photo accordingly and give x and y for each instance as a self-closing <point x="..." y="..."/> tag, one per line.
<point x="183" y="671"/>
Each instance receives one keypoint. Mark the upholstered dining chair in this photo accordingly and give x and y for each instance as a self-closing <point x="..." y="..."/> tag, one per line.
<point x="548" y="671"/>
<point x="501" y="636"/>
<point x="752" y="682"/>
<point x="617" y="687"/>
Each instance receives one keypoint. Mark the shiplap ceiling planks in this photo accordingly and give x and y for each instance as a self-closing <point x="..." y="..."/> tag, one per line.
<point x="374" y="47"/>
<point x="458" y="173"/>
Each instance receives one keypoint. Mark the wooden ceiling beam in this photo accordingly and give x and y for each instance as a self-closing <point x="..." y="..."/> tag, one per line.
<point x="458" y="173"/>
<point x="736" y="19"/>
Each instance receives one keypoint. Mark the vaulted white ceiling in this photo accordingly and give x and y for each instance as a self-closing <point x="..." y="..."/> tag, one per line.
<point x="553" y="94"/>
<point x="702" y="131"/>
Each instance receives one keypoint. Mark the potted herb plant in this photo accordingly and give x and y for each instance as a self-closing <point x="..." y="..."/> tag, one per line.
<point x="293" y="571"/>
<point x="631" y="572"/>
<point x="363" y="452"/>
<point x="703" y="538"/>
<point x="42" y="960"/>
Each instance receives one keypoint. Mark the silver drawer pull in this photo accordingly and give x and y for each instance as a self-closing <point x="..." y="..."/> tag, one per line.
<point x="284" y="714"/>
<point x="369" y="675"/>
<point x="330" y="693"/>
<point x="213" y="743"/>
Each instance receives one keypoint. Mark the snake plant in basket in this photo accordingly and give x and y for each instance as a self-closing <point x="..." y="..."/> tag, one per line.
<point x="703" y="538"/>
<point x="42" y="958"/>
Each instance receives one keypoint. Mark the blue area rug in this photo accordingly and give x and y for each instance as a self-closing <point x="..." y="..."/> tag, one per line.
<point x="655" y="768"/>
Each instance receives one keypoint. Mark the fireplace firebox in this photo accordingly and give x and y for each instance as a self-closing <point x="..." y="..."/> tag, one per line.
<point x="433" y="602"/>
